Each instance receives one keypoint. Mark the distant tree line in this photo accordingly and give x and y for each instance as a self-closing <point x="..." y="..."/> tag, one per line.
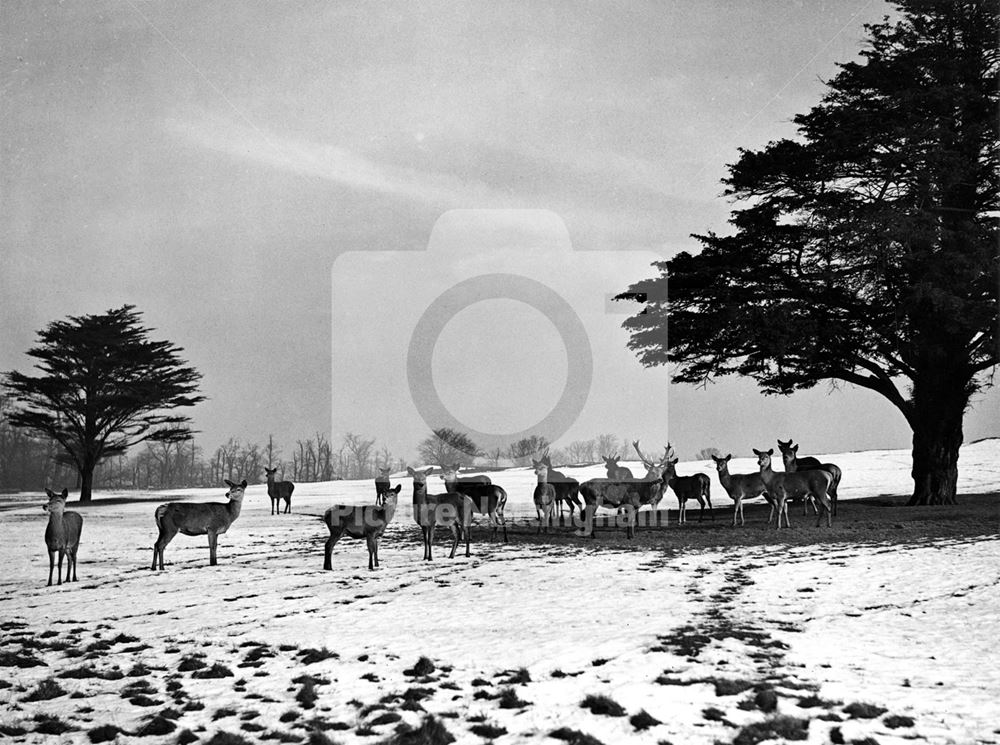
<point x="31" y="462"/>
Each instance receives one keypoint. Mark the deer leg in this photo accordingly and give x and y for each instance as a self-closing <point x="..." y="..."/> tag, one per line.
<point x="59" y="572"/>
<point x="69" y="565"/>
<point x="824" y="503"/>
<point x="372" y="552"/>
<point x="503" y="522"/>
<point x="701" y="503"/>
<point x="212" y="540"/>
<point x="328" y="548"/>
<point x="428" y="541"/>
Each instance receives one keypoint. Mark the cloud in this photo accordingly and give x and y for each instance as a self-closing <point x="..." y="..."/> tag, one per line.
<point x="337" y="165"/>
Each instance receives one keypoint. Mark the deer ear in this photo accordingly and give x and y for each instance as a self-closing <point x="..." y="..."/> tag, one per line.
<point x="795" y="449"/>
<point x="398" y="487"/>
<point x="728" y="457"/>
<point x="230" y="484"/>
<point x="65" y="493"/>
<point x="243" y="484"/>
<point x="50" y="493"/>
<point x="770" y="451"/>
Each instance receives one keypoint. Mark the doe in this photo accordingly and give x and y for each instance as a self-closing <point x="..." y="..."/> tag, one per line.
<point x="62" y="534"/>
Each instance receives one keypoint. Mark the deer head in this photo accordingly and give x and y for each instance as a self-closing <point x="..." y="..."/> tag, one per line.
<point x="763" y="458"/>
<point x="384" y="472"/>
<point x="235" y="492"/>
<point x="419" y="477"/>
<point x="57" y="502"/>
<point x="722" y="463"/>
<point x="783" y="446"/>
<point x="390" y="496"/>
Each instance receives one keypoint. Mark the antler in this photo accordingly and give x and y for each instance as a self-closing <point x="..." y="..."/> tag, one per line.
<point x="645" y="461"/>
<point x="669" y="454"/>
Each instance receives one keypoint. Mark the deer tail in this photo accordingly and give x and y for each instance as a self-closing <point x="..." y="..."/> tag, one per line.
<point x="160" y="512"/>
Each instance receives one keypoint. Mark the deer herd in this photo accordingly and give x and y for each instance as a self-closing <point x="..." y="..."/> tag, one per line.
<point x="802" y="478"/>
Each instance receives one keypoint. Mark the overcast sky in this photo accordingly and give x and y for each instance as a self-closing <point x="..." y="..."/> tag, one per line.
<point x="286" y="190"/>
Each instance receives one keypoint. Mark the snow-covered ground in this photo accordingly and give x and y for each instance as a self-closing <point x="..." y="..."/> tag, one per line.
<point x="690" y="637"/>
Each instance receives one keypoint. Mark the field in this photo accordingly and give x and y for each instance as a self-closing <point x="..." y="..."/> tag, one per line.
<point x="882" y="629"/>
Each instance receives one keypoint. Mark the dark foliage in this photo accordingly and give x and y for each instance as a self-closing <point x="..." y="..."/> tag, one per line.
<point x="603" y="705"/>
<point x="643" y="720"/>
<point x="865" y="251"/>
<point x="103" y="386"/>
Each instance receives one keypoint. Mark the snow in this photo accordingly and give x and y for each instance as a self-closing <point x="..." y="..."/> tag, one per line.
<point x="910" y="629"/>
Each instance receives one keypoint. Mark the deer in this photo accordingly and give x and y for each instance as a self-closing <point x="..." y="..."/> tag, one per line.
<point x="382" y="484"/>
<point x="627" y="494"/>
<point x="655" y="470"/>
<point x="781" y="486"/>
<point x="278" y="490"/>
<point x="567" y="488"/>
<point x="697" y="486"/>
<point x="62" y="535"/>
<point x="368" y="522"/>
<point x="616" y="472"/>
<point x="544" y="495"/>
<point x="789" y="455"/>
<point x="204" y="518"/>
<point x="740" y="486"/>
<point x="452" y="510"/>
<point x="487" y="498"/>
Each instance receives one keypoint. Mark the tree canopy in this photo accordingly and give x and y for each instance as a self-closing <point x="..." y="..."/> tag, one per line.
<point x="865" y="250"/>
<point x="103" y="387"/>
<point x="446" y="446"/>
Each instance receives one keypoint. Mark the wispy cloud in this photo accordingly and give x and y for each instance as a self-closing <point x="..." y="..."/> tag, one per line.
<point x="592" y="224"/>
<point x="339" y="165"/>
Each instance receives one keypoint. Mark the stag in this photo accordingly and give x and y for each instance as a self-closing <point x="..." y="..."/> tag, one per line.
<point x="626" y="495"/>
<point x="616" y="472"/>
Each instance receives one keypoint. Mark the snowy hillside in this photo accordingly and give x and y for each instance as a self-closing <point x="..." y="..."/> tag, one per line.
<point x="700" y="640"/>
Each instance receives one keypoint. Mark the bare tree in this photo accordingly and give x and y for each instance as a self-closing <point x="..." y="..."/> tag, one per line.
<point x="446" y="446"/>
<point x="527" y="448"/>
<point x="360" y="451"/>
<point x="606" y="445"/>
<point x="581" y="451"/>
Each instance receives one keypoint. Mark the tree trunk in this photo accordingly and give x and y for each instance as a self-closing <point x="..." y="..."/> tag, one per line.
<point x="86" y="482"/>
<point x="936" y="420"/>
